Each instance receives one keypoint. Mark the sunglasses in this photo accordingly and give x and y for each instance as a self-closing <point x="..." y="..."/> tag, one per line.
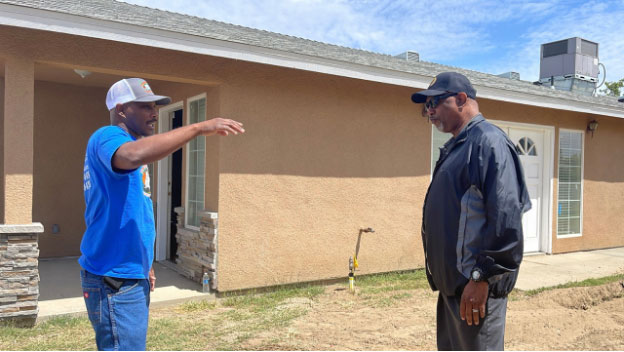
<point x="435" y="101"/>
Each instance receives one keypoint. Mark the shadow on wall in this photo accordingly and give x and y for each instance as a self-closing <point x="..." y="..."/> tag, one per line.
<point x="325" y="127"/>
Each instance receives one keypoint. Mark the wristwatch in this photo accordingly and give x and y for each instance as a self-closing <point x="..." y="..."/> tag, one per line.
<point x="477" y="275"/>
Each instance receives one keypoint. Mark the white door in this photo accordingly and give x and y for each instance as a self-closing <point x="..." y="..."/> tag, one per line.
<point x="532" y="149"/>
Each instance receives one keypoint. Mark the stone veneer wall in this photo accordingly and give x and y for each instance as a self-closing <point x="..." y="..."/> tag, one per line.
<point x="197" y="250"/>
<point x="19" y="273"/>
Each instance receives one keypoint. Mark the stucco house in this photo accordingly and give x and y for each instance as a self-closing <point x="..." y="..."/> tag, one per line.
<point x="333" y="145"/>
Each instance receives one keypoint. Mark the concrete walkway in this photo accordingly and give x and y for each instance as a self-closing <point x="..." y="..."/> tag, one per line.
<point x="61" y="293"/>
<point x="543" y="270"/>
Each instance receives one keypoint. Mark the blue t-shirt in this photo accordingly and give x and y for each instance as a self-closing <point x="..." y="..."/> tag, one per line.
<point x="119" y="240"/>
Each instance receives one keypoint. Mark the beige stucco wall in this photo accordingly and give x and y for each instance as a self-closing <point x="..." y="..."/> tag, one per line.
<point x="65" y="117"/>
<point x="18" y="138"/>
<point x="322" y="157"/>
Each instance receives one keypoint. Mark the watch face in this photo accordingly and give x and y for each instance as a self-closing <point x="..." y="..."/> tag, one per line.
<point x="476" y="275"/>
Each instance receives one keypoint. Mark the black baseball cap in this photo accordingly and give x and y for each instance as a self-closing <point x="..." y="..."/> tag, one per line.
<point x="446" y="82"/>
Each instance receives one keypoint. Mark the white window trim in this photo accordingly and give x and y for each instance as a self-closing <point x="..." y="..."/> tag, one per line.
<point x="582" y="133"/>
<point x="163" y="206"/>
<point x="186" y="155"/>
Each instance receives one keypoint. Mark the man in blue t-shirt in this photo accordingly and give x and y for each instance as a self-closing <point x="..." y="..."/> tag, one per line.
<point x="118" y="244"/>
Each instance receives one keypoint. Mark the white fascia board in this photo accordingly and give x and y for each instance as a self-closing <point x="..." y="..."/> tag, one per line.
<point x="19" y="16"/>
<point x="549" y="102"/>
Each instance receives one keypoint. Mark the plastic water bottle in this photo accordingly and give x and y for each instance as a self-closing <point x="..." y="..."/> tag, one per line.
<point x="206" y="283"/>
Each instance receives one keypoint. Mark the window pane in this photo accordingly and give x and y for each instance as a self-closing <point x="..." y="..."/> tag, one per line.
<point x="192" y="214"/>
<point x="192" y="165"/>
<point x="569" y="174"/>
<point x="192" y="188"/>
<point x="575" y="226"/>
<point x="195" y="179"/>
<point x="569" y="191"/>
<point x="575" y="209"/>
<point x="201" y="163"/>
<point x="193" y="112"/>
<point x="570" y="183"/>
<point x="200" y="191"/>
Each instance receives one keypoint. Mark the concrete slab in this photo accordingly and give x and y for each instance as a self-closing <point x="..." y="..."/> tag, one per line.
<point x="537" y="271"/>
<point x="60" y="291"/>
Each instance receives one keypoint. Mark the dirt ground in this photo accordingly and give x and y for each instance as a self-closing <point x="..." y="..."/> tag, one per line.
<point x="582" y="318"/>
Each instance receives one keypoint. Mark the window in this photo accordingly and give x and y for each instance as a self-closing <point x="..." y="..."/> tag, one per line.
<point x="569" y="199"/>
<point x="526" y="147"/>
<point x="195" y="165"/>
<point x="437" y="141"/>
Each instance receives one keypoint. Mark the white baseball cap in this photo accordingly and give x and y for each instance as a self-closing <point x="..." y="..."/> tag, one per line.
<point x="133" y="89"/>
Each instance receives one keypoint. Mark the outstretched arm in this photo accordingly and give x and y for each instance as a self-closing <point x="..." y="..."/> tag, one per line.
<point x="146" y="150"/>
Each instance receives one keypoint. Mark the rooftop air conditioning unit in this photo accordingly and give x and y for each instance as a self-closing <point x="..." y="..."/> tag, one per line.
<point x="570" y="64"/>
<point x="574" y="57"/>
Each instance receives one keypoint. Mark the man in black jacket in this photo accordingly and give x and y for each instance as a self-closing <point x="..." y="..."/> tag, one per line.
<point x="472" y="218"/>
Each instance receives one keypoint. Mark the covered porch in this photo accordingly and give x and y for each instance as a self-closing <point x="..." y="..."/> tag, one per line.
<point x="51" y="101"/>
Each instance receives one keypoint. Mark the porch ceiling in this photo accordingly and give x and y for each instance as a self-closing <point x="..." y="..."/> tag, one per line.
<point x="98" y="77"/>
<point x="66" y="75"/>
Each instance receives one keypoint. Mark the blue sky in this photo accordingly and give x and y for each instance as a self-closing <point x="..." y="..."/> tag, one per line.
<point x="487" y="36"/>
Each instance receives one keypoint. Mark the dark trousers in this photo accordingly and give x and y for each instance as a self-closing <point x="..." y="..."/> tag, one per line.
<point x="454" y="334"/>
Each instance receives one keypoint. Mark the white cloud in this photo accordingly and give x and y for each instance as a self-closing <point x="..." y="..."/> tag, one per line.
<point x="458" y="32"/>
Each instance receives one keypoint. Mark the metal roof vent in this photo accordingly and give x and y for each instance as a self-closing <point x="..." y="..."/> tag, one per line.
<point x="511" y="75"/>
<point x="409" y="56"/>
<point x="570" y="64"/>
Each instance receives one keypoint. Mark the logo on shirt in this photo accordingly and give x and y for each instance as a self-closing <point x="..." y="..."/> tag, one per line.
<point x="86" y="176"/>
<point x="146" y="181"/>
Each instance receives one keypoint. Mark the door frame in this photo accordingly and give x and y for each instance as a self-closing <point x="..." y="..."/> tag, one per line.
<point x="163" y="213"/>
<point x="546" y="228"/>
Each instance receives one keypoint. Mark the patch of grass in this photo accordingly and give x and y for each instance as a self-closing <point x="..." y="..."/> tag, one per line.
<point x="60" y="333"/>
<point x="236" y="315"/>
<point x="584" y="283"/>
<point x="194" y="306"/>
<point x="391" y="282"/>
<point x="265" y="301"/>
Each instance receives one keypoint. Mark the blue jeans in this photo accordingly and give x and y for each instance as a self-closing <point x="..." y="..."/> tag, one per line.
<point x="119" y="317"/>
